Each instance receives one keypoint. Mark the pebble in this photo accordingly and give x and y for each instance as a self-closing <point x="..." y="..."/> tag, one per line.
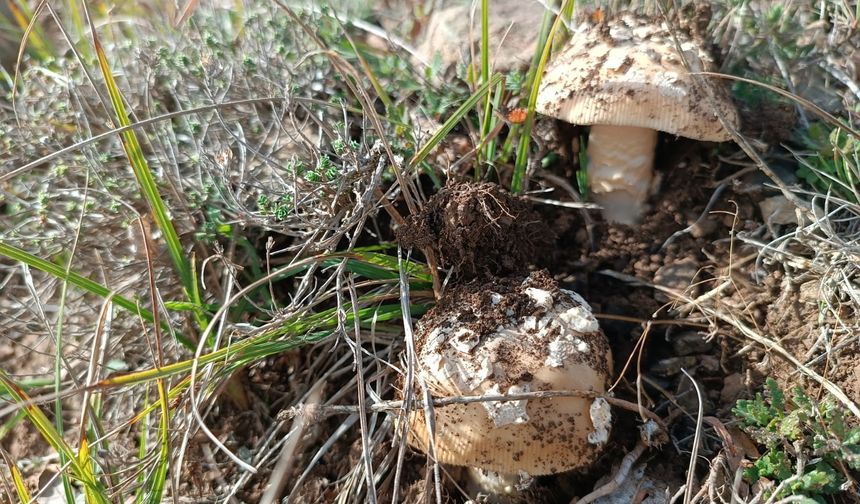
<point x="733" y="388"/>
<point x="679" y="276"/>
<point x="777" y="210"/>
<point x="671" y="366"/>
<point x="689" y="343"/>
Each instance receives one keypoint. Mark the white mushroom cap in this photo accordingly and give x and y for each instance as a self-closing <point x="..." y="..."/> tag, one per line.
<point x="628" y="72"/>
<point x="532" y="337"/>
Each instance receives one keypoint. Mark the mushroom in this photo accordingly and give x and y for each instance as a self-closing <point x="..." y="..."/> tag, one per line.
<point x="625" y="78"/>
<point x="510" y="336"/>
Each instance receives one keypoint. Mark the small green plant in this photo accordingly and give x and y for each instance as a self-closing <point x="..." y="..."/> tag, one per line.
<point x="279" y="208"/>
<point x="834" y="164"/>
<point x="811" y="449"/>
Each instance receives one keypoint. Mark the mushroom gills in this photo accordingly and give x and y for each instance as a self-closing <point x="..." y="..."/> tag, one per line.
<point x="620" y="169"/>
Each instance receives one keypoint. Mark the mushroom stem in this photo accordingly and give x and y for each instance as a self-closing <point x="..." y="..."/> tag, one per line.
<point x="620" y="169"/>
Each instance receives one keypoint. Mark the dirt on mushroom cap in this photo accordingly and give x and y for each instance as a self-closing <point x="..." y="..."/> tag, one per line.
<point x="479" y="230"/>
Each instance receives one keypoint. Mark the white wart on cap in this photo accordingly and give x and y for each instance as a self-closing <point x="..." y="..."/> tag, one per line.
<point x="627" y="80"/>
<point x="513" y="336"/>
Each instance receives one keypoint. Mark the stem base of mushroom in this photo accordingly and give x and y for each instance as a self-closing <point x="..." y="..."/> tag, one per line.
<point x="621" y="170"/>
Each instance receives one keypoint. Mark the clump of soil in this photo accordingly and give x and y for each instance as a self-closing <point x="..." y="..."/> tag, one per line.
<point x="479" y="230"/>
<point x="482" y="312"/>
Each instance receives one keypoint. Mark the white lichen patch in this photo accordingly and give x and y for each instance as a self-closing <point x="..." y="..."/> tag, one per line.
<point x="507" y="412"/>
<point x="447" y="365"/>
<point x="562" y="347"/>
<point x="464" y="340"/>
<point x="579" y="318"/>
<point x="620" y="33"/>
<point x="542" y="298"/>
<point x="557" y="330"/>
<point x="601" y="418"/>
<point x="530" y="323"/>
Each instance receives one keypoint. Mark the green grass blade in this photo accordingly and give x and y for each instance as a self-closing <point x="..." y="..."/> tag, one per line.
<point x="499" y="93"/>
<point x="368" y="71"/>
<point x="301" y="330"/>
<point x="78" y="29"/>
<point x="58" y="368"/>
<point x="146" y="181"/>
<point x="86" y="464"/>
<point x="143" y="418"/>
<point x="487" y="120"/>
<point x="518" y="180"/>
<point x="17" y="480"/>
<point x="81" y="282"/>
<point x="452" y="121"/>
<point x="7" y="426"/>
<point x="159" y="475"/>
<point x="95" y="491"/>
<point x="376" y="266"/>
<point x="75" y="279"/>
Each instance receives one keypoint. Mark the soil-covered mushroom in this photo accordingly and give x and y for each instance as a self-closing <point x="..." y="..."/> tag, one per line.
<point x="513" y="335"/>
<point x="626" y="79"/>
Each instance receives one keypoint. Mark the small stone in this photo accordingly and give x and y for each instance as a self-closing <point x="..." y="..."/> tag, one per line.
<point x="777" y="210"/>
<point x="733" y="387"/>
<point x="709" y="363"/>
<point x="673" y="365"/>
<point x="678" y="276"/>
<point x="689" y="343"/>
<point x="810" y="292"/>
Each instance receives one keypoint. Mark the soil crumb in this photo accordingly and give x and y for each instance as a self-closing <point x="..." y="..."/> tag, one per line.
<point x="479" y="230"/>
